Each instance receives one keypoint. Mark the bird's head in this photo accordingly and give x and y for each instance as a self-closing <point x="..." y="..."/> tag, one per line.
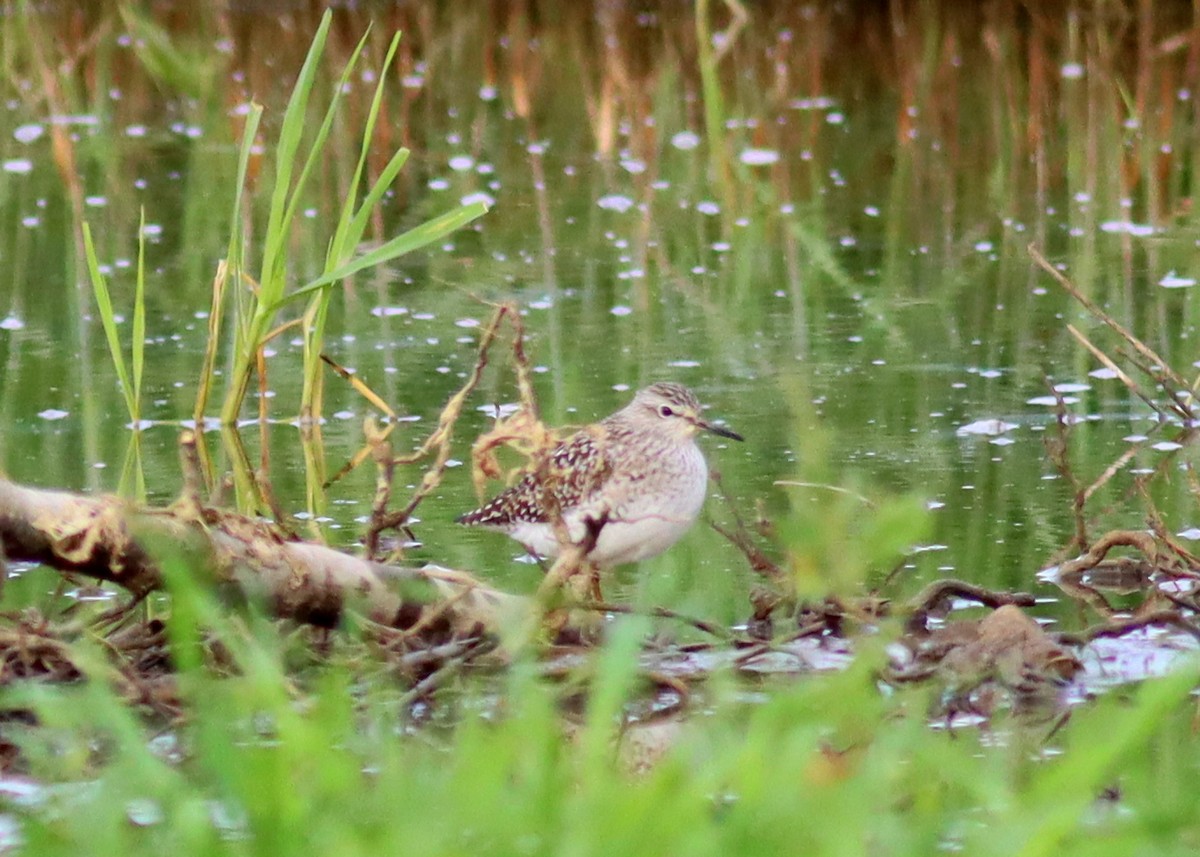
<point x="674" y="410"/>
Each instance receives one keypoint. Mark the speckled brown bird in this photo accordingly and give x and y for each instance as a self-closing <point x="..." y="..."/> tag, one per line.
<point x="639" y="472"/>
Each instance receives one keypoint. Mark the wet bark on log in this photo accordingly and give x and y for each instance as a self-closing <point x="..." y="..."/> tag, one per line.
<point x="109" y="539"/>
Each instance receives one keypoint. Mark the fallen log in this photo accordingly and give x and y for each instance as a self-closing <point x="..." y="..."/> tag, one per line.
<point x="110" y="539"/>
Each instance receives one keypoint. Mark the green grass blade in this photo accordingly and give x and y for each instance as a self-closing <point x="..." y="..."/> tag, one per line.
<point x="350" y="226"/>
<point x="137" y="347"/>
<point x="108" y="320"/>
<point x="233" y="253"/>
<point x="316" y="152"/>
<point x="290" y="135"/>
<point x="359" y="226"/>
<point x="413" y="239"/>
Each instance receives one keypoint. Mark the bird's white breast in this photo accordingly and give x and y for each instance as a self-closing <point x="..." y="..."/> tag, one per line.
<point x="646" y="512"/>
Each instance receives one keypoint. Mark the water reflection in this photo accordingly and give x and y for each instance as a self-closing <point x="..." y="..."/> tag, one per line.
<point x="827" y="251"/>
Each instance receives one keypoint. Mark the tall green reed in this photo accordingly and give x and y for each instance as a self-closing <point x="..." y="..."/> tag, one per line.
<point x="133" y="478"/>
<point x="257" y="313"/>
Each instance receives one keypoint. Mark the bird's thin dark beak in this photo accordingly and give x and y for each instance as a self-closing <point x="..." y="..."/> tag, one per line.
<point x="719" y="430"/>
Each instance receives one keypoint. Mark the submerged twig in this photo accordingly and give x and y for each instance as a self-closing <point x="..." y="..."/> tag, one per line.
<point x="381" y="451"/>
<point x="438" y="441"/>
<point x="1058" y="449"/>
<point x="741" y="539"/>
<point x="933" y="596"/>
<point x="660" y="613"/>
<point x="1169" y="618"/>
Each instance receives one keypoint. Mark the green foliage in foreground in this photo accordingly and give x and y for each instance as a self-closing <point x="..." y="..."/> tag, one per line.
<point x="828" y="764"/>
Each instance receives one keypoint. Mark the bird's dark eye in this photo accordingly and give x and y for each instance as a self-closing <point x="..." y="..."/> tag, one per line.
<point x="665" y="410"/>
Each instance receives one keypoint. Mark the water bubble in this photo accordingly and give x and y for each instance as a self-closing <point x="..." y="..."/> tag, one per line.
<point x="1137" y="230"/>
<point x="28" y="133"/>
<point x="479" y="196"/>
<point x="461" y="163"/>
<point x="621" y="310"/>
<point x="708" y="207"/>
<point x="17" y="166"/>
<point x="819" y="102"/>
<point x="685" y="140"/>
<point x="389" y="311"/>
<point x="759" y="157"/>
<point x="988" y="427"/>
<point x="51" y="414"/>
<point x="615" y="202"/>
<point x="1173" y="281"/>
<point x="12" y="323"/>
<point x="1071" y="71"/>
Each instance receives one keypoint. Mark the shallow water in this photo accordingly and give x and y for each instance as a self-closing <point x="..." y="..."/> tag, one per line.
<point x="841" y="274"/>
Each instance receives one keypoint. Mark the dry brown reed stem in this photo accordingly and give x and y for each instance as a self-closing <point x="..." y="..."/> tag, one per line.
<point x="1163" y="376"/>
<point x="359" y="386"/>
<point x="370" y="430"/>
<point x="1158" y="368"/>
<point x="209" y="362"/>
<point x="741" y="538"/>
<point x="439" y="440"/>
<point x="572" y="558"/>
<point x="190" y="498"/>
<point x="1112" y="470"/>
<point x="1129" y="383"/>
<point x="381" y="451"/>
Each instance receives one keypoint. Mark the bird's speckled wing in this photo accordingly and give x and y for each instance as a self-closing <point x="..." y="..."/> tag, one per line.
<point x="572" y="472"/>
